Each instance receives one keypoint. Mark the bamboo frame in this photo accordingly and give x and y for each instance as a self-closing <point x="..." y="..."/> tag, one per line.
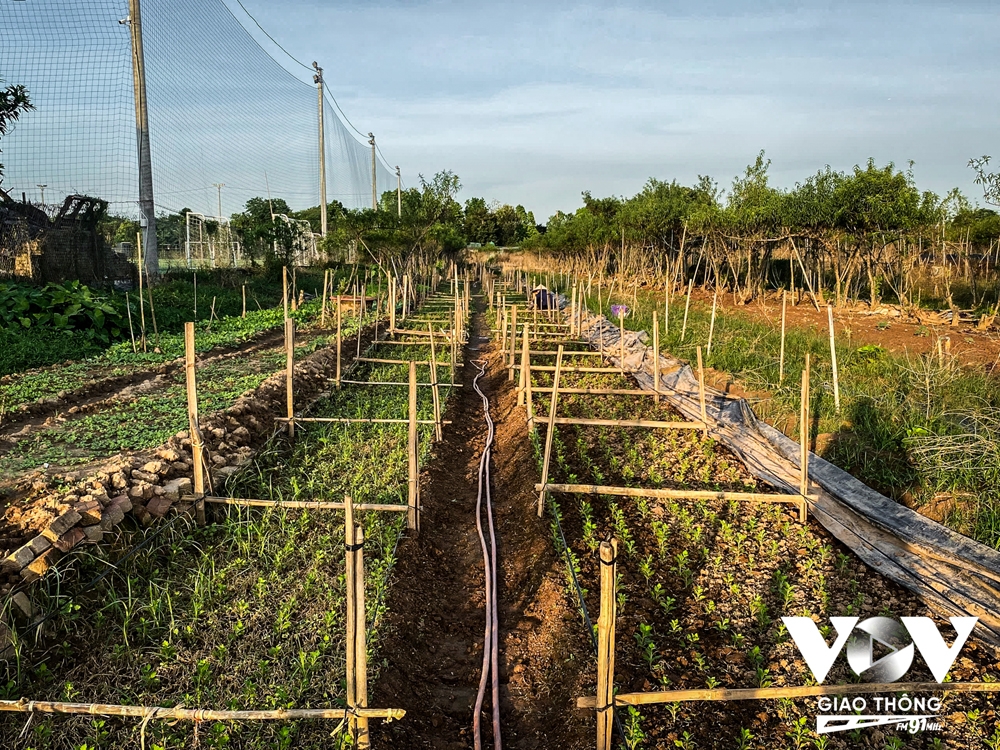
<point x="605" y="700"/>
<point x="195" y="714"/>
<point x="194" y="430"/>
<point x="810" y="691"/>
<point x="804" y="432"/>
<point x="413" y="495"/>
<point x="781" y="354"/>
<point x="253" y="502"/>
<point x="833" y="361"/>
<point x="656" y="358"/>
<point x="290" y="374"/>
<point x="435" y="392"/>
<point x="550" y="433"/>
<point x="646" y="423"/>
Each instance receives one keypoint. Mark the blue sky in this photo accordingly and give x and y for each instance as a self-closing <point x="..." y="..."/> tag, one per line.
<point x="535" y="102"/>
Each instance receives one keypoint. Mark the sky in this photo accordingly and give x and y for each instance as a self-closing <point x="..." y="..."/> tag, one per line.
<point x="533" y="103"/>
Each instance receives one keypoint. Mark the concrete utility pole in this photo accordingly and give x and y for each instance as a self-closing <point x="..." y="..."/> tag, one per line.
<point x="218" y="186"/>
<point x="42" y="189"/>
<point x="146" y="207"/>
<point x="318" y="80"/>
<point x="399" y="193"/>
<point x="371" y="140"/>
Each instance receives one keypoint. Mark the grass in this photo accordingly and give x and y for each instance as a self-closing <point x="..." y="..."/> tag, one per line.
<point x="246" y="612"/>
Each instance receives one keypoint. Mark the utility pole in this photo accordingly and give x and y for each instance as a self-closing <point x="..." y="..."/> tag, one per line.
<point x="218" y="186"/>
<point x="399" y="193"/>
<point x="371" y="140"/>
<point x="42" y="189"/>
<point x="318" y="80"/>
<point x="146" y="207"/>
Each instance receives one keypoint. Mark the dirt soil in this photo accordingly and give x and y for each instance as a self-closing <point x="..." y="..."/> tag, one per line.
<point x="898" y="334"/>
<point x="432" y="655"/>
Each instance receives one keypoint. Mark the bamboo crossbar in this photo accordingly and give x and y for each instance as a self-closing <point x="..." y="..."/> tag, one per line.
<point x="574" y="368"/>
<point x="567" y="353"/>
<point x="378" y="361"/>
<point x="598" y="489"/>
<point x="313" y="504"/>
<point x="196" y="714"/>
<point x="748" y="694"/>
<point x="594" y="391"/>
<point x="650" y="423"/>
<point x="347" y="420"/>
<point x="399" y="382"/>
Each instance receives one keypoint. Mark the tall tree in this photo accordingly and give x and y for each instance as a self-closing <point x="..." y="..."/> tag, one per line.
<point x="14" y="102"/>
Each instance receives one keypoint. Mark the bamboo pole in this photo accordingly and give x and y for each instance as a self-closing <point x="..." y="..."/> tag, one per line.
<point x="357" y="673"/>
<point x="194" y="431"/>
<point x="131" y="330"/>
<point x="413" y="517"/>
<point x="665" y="494"/>
<point x="809" y="691"/>
<point x="513" y="340"/>
<point x="244" y="314"/>
<point x="351" y="621"/>
<point x="701" y="392"/>
<point x="606" y="646"/>
<point x="392" y="304"/>
<point x="322" y="308"/>
<point x="142" y="305"/>
<point x="687" y="306"/>
<point x="666" y="308"/>
<point x="711" y="325"/>
<point x="289" y="374"/>
<point x="195" y="714"/>
<point x="525" y="355"/>
<point x="295" y="292"/>
<point x="253" y="502"/>
<point x="656" y="358"/>
<point x="339" y="339"/>
<point x="550" y="433"/>
<point x="284" y="290"/>
<point x="528" y="398"/>
<point x="804" y="432"/>
<point x="833" y="360"/>
<point x="435" y="393"/>
<point x="781" y="355"/>
<point x="621" y="339"/>
<point x="644" y="423"/>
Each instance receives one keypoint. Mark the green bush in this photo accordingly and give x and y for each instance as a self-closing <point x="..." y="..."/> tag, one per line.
<point x="60" y="307"/>
<point x="24" y="348"/>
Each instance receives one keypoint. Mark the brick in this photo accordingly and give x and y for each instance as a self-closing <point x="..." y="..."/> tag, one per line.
<point x="41" y="564"/>
<point x="23" y="604"/>
<point x="176" y="488"/>
<point x="39" y="544"/>
<point x="61" y="525"/>
<point x="69" y="540"/>
<point x="112" y="516"/>
<point x="90" y="512"/>
<point x="159" y="506"/>
<point x="145" y="476"/>
<point x="93" y="533"/>
<point x="123" y="502"/>
<point x="18" y="559"/>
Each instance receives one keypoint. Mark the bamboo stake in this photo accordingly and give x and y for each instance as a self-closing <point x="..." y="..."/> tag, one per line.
<point x="284" y="290"/>
<point x="687" y="306"/>
<point x="621" y="339"/>
<point x="656" y="357"/>
<point x="351" y="619"/>
<point x="244" y="314"/>
<point x="131" y="331"/>
<point x="253" y="502"/>
<point x="295" y="292"/>
<point x="142" y="306"/>
<point x="194" y="431"/>
<point x="196" y="714"/>
<point x="339" y="340"/>
<point x="701" y="392"/>
<point x="413" y="517"/>
<point x="525" y="354"/>
<point x="804" y="432"/>
<point x="781" y="355"/>
<point x="550" y="433"/>
<point x="528" y="399"/>
<point x="322" y="309"/>
<point x="289" y="374"/>
<point x="152" y="314"/>
<point x="606" y="646"/>
<point x="360" y="639"/>
<point x="392" y="304"/>
<point x="833" y="361"/>
<point x="513" y="339"/>
<point x="435" y="393"/>
<point x="711" y="325"/>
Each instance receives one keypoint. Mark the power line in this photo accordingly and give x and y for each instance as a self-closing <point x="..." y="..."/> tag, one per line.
<point x="294" y="59"/>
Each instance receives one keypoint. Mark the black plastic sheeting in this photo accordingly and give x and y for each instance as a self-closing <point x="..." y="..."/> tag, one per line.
<point x="953" y="574"/>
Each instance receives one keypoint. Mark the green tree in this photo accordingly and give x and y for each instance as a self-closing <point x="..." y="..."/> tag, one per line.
<point x="14" y="101"/>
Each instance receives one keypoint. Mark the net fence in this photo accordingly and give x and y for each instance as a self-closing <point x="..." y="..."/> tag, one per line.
<point x="222" y="111"/>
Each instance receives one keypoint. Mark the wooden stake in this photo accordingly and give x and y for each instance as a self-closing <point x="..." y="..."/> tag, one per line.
<point x="781" y="355"/>
<point x="656" y="357"/>
<point x="131" y="331"/>
<point x="525" y="354"/>
<point x="289" y="374"/>
<point x="513" y="339"/>
<point x="339" y="340"/>
<point x="438" y="433"/>
<point x="711" y="325"/>
<point x="804" y="433"/>
<point x="244" y="314"/>
<point x="295" y="292"/>
<point x="322" y="308"/>
<point x="360" y="639"/>
<point x="527" y="392"/>
<point x="606" y="646"/>
<point x="351" y="623"/>
<point x="284" y="290"/>
<point x="413" y="516"/>
<point x="550" y="434"/>
<point x="142" y="305"/>
<point x="833" y="361"/>
<point x="701" y="392"/>
<point x="392" y="304"/>
<point x="687" y="306"/>
<point x="621" y="339"/>
<point x="194" y="431"/>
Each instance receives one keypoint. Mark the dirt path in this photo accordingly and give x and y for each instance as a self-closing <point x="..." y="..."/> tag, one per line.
<point x="433" y="651"/>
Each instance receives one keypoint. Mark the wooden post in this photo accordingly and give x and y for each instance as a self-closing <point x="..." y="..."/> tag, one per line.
<point x="513" y="340"/>
<point x="606" y="646"/>
<point x="711" y="325"/>
<point x="833" y="361"/>
<point x="412" y="516"/>
<point x="525" y="354"/>
<point x="194" y="431"/>
<point x="351" y="621"/>
<point x="244" y="301"/>
<point x="804" y="433"/>
<point x="701" y="392"/>
<point x="322" y="309"/>
<point x="656" y="357"/>
<point x="295" y="292"/>
<point x="527" y="391"/>
<point x="289" y="373"/>
<point x="550" y="434"/>
<point x="687" y="306"/>
<point x="666" y="308"/>
<point x="434" y="387"/>
<point x="355" y="549"/>
<point x="340" y="340"/>
<point x="284" y="289"/>
<point x="621" y="338"/>
<point x="781" y="355"/>
<point x="573" y="311"/>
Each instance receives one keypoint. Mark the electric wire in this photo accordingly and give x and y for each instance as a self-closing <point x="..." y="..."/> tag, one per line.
<point x="290" y="56"/>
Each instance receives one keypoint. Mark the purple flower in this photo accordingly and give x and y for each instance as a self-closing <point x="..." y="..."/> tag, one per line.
<point x="619" y="310"/>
